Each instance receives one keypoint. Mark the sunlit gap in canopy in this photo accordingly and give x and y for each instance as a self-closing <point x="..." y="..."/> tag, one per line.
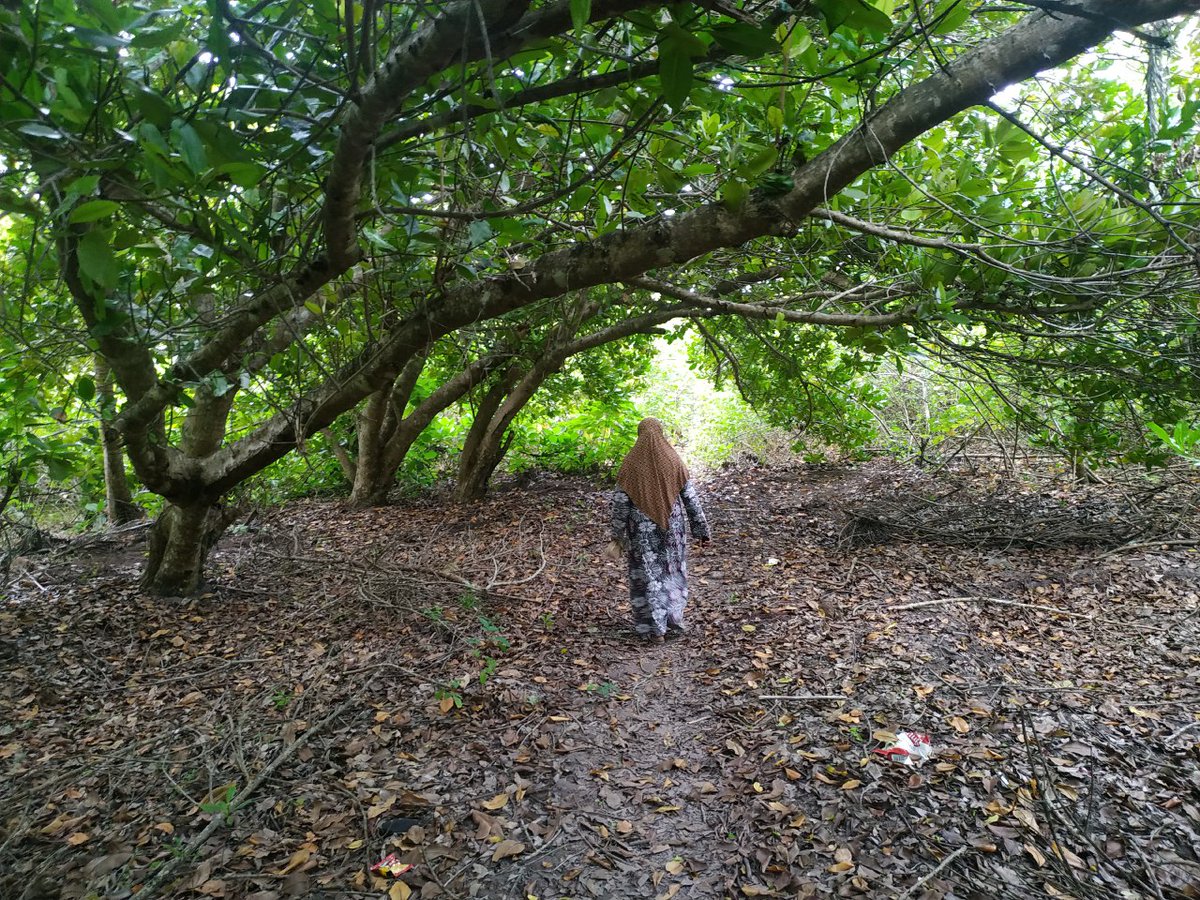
<point x="1123" y="60"/>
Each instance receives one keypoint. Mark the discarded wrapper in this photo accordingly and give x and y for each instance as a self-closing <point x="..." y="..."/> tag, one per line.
<point x="390" y="866"/>
<point x="911" y="748"/>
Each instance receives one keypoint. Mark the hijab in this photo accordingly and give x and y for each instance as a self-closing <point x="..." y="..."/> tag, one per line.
<point x="652" y="473"/>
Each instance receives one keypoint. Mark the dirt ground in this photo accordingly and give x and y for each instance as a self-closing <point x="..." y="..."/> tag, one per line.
<point x="459" y="687"/>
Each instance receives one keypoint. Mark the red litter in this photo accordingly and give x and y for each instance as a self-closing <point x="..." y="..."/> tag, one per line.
<point x="391" y="866"/>
<point x="910" y="747"/>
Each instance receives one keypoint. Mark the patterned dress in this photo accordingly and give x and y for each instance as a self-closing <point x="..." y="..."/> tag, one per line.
<point x="658" y="588"/>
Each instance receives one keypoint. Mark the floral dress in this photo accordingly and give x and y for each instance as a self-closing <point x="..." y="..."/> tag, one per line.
<point x="658" y="588"/>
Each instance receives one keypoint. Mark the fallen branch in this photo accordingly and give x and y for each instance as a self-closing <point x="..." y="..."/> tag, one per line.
<point x="942" y="601"/>
<point x="945" y="862"/>
<point x="163" y="875"/>
<point x="1141" y="545"/>
<point x="1058" y="611"/>
<point x="803" y="697"/>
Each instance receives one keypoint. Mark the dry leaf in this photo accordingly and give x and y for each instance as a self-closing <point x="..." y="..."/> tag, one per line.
<point x="507" y="848"/>
<point x="399" y="891"/>
<point x="497" y="802"/>
<point x="624" y="827"/>
<point x="299" y="858"/>
<point x="839" y="868"/>
<point x="959" y="724"/>
<point x="79" y="837"/>
<point x="1025" y="817"/>
<point x="675" y="866"/>
<point x="1038" y="856"/>
<point x="851" y="784"/>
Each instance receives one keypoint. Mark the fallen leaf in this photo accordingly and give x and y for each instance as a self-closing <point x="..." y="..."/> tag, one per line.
<point x="507" y="848"/>
<point x="959" y="724"/>
<point x="1025" y="817"/>
<point x="399" y="891"/>
<point x="851" y="784"/>
<point x="674" y="866"/>
<point x="79" y="837"/>
<point x="497" y="802"/>
<point x="1038" y="856"/>
<point x="299" y="858"/>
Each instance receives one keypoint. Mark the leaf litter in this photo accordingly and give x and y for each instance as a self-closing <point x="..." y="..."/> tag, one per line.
<point x="456" y="687"/>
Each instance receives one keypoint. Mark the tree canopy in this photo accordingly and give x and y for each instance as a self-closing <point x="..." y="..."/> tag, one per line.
<point x="259" y="215"/>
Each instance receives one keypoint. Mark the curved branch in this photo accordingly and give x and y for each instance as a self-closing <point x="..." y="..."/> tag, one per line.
<point x="762" y="311"/>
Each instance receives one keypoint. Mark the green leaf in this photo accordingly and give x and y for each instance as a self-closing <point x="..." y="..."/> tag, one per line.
<point x="37" y="129"/>
<point x="158" y="37"/>
<point x="581" y="12"/>
<point x="106" y="12"/>
<point x="745" y="39"/>
<point x="243" y="174"/>
<point x="759" y="162"/>
<point x="675" y="74"/>
<point x="85" y="388"/>
<point x="955" y="13"/>
<point x="93" y="210"/>
<point x="191" y="148"/>
<point x="733" y="194"/>
<point x="854" y="13"/>
<point x="99" y="39"/>
<point x="480" y="232"/>
<point x="58" y="468"/>
<point x="154" y="108"/>
<point x="83" y="185"/>
<point x="687" y="42"/>
<point x="96" y="259"/>
<point x="775" y="118"/>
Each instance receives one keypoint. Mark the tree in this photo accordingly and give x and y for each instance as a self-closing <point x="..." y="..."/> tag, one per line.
<point x="204" y="176"/>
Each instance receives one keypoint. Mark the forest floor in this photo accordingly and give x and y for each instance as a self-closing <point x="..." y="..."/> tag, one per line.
<point x="459" y="687"/>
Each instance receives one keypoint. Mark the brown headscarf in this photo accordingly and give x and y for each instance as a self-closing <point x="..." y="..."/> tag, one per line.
<point x="653" y="474"/>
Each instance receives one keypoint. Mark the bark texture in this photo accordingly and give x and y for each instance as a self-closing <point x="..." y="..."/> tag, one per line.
<point x="119" y="507"/>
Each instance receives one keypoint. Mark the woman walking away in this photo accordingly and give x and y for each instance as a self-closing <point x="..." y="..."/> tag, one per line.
<point x="653" y="496"/>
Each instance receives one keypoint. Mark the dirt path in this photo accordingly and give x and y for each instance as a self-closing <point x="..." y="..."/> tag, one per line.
<point x="539" y="752"/>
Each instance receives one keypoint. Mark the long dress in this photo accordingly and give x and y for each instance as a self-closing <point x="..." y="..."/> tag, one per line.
<point x="658" y="589"/>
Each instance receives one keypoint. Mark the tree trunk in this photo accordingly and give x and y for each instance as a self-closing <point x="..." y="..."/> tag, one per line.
<point x="179" y="545"/>
<point x="118" y="499"/>
<point x="187" y="529"/>
<point x="368" y="464"/>
<point x="472" y="466"/>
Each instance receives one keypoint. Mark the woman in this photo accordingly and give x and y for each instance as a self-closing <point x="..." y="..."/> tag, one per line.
<point x="653" y="496"/>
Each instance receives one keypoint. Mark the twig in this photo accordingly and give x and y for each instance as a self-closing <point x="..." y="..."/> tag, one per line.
<point x="1166" y="542"/>
<point x="152" y="887"/>
<point x="803" y="697"/>
<point x="941" y="601"/>
<point x="945" y="862"/>
<point x="1188" y="727"/>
